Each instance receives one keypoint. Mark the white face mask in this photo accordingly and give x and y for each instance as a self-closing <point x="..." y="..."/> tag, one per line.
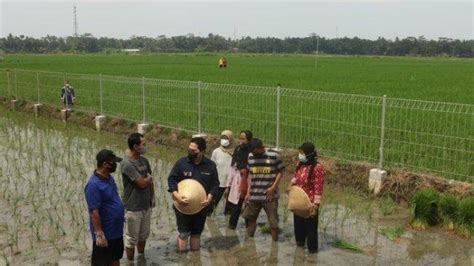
<point x="225" y="142"/>
<point x="302" y="158"/>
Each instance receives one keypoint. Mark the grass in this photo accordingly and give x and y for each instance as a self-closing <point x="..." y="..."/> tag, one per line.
<point x="392" y="232"/>
<point x="387" y="206"/>
<point x="265" y="228"/>
<point x="448" y="209"/>
<point x="430" y="208"/>
<point x="343" y="126"/>
<point x="341" y="243"/>
<point x="425" y="208"/>
<point x="465" y="221"/>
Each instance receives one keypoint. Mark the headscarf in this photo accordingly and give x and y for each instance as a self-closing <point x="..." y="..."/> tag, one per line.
<point x="229" y="149"/>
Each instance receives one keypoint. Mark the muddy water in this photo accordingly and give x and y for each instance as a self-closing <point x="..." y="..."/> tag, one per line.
<point x="44" y="166"/>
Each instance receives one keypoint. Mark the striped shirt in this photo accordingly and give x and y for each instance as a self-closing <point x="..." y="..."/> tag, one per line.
<point x="263" y="171"/>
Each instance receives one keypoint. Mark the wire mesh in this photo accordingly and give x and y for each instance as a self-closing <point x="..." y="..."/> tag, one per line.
<point x="431" y="137"/>
<point x="172" y="103"/>
<point x="237" y="107"/>
<point x="423" y="136"/>
<point x="344" y="126"/>
<point x="4" y="83"/>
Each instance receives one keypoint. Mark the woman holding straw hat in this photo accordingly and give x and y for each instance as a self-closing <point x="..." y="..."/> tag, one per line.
<point x="308" y="178"/>
<point x="193" y="182"/>
<point x="222" y="156"/>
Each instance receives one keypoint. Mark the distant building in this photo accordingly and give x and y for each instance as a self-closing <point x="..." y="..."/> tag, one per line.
<point x="131" y="50"/>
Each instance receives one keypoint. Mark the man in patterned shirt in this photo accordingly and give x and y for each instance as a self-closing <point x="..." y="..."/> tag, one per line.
<point x="265" y="167"/>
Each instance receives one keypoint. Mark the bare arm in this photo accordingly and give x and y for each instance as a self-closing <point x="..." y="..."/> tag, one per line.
<point x="95" y="217"/>
<point x="277" y="181"/>
<point x="143" y="181"/>
<point x="100" y="240"/>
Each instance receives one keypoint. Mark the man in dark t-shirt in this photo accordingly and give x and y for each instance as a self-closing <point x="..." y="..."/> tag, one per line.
<point x="138" y="195"/>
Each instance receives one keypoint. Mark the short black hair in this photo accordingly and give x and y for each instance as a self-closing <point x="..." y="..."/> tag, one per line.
<point x="255" y="144"/>
<point x="134" y="139"/>
<point x="248" y="134"/>
<point x="200" y="142"/>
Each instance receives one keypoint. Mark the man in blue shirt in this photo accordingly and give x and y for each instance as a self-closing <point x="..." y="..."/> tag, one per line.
<point x="203" y="170"/>
<point x="106" y="211"/>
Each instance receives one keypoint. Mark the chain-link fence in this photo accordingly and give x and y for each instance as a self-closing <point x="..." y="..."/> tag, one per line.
<point x="422" y="136"/>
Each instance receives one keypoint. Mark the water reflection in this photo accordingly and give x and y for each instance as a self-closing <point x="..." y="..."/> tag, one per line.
<point x="43" y="171"/>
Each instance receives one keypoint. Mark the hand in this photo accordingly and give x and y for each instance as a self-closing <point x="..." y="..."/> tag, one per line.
<point x="226" y="193"/>
<point x="293" y="181"/>
<point x="182" y="200"/>
<point x="247" y="198"/>
<point x="270" y="192"/>
<point x="313" y="210"/>
<point x="151" y="180"/>
<point x="206" y="202"/>
<point x="100" y="240"/>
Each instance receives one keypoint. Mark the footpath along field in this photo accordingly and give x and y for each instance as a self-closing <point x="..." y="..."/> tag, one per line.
<point x="431" y="133"/>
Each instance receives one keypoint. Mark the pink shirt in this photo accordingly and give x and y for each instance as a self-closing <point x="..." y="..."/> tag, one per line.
<point x="233" y="181"/>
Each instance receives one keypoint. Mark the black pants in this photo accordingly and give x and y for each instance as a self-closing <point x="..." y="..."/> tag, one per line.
<point x="104" y="256"/>
<point x="235" y="213"/>
<point x="216" y="200"/>
<point x="228" y="207"/>
<point x="306" y="230"/>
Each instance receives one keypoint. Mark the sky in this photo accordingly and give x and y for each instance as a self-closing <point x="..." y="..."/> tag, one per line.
<point x="368" y="19"/>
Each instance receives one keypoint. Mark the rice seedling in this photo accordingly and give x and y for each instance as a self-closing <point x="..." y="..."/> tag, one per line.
<point x="265" y="228"/>
<point x="448" y="210"/>
<point x="387" y="206"/>
<point x="465" y="219"/>
<point x="424" y="206"/>
<point x="392" y="232"/>
<point x="344" y="244"/>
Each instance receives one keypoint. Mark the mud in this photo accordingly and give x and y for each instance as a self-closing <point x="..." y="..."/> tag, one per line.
<point x="45" y="165"/>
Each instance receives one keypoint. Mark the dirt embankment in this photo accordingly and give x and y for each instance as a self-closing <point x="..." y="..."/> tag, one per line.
<point x="400" y="185"/>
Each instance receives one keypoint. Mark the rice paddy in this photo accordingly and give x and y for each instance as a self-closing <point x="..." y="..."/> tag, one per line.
<point x="46" y="165"/>
<point x="431" y="79"/>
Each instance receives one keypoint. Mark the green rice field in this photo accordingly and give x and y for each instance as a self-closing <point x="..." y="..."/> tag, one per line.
<point x="432" y="79"/>
<point x="428" y="123"/>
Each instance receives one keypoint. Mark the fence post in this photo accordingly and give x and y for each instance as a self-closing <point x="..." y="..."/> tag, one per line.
<point x="277" y="141"/>
<point x="100" y="95"/>
<point x="199" y="108"/>
<point x="38" y="85"/>
<point x="143" y="97"/>
<point x="382" y="131"/>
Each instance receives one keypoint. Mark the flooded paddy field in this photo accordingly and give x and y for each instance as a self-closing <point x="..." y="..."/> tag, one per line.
<point x="45" y="164"/>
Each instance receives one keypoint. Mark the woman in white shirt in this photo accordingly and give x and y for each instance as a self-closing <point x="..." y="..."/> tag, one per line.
<point x="222" y="156"/>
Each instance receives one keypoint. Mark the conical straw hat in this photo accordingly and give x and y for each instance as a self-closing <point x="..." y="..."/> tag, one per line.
<point x="299" y="202"/>
<point x="194" y="192"/>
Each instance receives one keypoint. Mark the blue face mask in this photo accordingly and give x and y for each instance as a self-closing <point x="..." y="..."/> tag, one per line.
<point x="302" y="157"/>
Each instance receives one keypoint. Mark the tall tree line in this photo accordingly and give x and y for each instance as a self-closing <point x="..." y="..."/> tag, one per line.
<point x="87" y="43"/>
